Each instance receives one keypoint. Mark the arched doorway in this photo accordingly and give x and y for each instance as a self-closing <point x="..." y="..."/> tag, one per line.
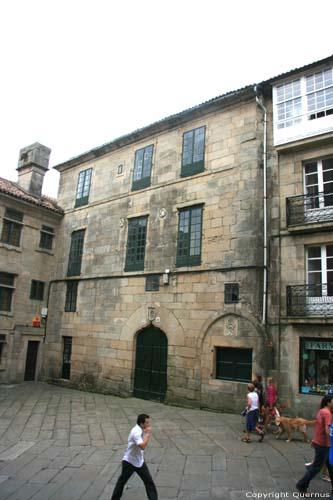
<point x="150" y="377"/>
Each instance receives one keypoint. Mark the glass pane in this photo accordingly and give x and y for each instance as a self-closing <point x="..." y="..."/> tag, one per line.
<point x="199" y="144"/>
<point x="314" y="252"/>
<point x="314" y="265"/>
<point x="188" y="139"/>
<point x="7" y="279"/>
<point x="147" y="160"/>
<point x="137" y="174"/>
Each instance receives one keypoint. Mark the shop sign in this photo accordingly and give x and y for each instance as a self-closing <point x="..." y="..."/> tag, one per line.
<point x="319" y="345"/>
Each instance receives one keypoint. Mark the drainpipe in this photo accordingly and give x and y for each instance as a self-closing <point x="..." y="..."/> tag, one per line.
<point x="264" y="298"/>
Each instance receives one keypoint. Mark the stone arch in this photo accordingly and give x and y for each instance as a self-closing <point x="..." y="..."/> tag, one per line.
<point x="166" y="321"/>
<point x="228" y="330"/>
<point x="150" y="374"/>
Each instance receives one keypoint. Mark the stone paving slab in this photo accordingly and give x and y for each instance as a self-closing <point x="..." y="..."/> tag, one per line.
<point x="62" y="444"/>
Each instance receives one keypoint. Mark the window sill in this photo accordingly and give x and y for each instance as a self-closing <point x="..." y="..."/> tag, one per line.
<point x="44" y="250"/>
<point x="6" y="313"/>
<point x="11" y="248"/>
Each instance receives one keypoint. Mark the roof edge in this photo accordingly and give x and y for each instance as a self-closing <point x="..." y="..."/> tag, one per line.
<point x="169" y="122"/>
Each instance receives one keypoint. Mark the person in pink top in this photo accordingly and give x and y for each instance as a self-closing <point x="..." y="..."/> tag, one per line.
<point x="320" y="443"/>
<point x="271" y="394"/>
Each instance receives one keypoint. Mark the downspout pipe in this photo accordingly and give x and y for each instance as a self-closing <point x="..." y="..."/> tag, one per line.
<point x="264" y="298"/>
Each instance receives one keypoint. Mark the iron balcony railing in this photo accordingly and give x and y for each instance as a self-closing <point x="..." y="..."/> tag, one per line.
<point x="310" y="300"/>
<point x="309" y="208"/>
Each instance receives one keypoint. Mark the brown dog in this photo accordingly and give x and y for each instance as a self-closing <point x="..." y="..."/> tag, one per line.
<point x="288" y="425"/>
<point x="267" y="413"/>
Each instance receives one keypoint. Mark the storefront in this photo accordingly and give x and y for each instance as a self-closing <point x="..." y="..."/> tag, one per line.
<point x="316" y="366"/>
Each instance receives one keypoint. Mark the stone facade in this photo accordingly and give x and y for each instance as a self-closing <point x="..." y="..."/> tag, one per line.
<point x="23" y="260"/>
<point x="113" y="306"/>
<point x="301" y="223"/>
<point x="101" y="314"/>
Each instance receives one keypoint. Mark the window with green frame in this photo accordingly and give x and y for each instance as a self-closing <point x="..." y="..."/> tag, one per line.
<point x="136" y="244"/>
<point x="142" y="168"/>
<point x="234" y="364"/>
<point x="46" y="237"/>
<point x="189" y="236"/>
<point x="75" y="253"/>
<point x="37" y="290"/>
<point x="12" y="227"/>
<point x="6" y="291"/>
<point x="71" y="296"/>
<point x="83" y="188"/>
<point x="193" y="154"/>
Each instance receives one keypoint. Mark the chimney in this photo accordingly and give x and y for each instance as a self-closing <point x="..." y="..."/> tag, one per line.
<point x="32" y="166"/>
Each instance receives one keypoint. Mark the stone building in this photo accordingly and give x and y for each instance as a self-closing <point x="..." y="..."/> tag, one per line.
<point x="158" y="289"/>
<point x="301" y="220"/>
<point x="193" y="253"/>
<point x="29" y="225"/>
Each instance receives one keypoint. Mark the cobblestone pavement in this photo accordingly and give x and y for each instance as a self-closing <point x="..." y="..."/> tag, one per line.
<point x="63" y="444"/>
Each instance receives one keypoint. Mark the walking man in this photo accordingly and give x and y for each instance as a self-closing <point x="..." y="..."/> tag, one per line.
<point x="133" y="460"/>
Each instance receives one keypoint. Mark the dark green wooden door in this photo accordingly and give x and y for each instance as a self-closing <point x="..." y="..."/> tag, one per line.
<point x="150" y="377"/>
<point x="31" y="361"/>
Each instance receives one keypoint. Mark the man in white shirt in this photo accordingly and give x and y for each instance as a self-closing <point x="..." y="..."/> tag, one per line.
<point x="133" y="460"/>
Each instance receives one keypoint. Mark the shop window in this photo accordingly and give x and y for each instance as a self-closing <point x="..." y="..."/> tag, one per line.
<point x="234" y="364"/>
<point x="316" y="366"/>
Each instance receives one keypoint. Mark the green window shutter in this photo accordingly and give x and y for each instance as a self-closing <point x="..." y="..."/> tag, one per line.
<point x="189" y="237"/>
<point x="142" y="168"/>
<point x="83" y="188"/>
<point x="193" y="154"/>
<point x="75" y="253"/>
<point x="136" y="244"/>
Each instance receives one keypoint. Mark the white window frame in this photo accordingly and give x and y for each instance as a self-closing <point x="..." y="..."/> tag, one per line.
<point x="303" y="123"/>
<point x="313" y="213"/>
<point x="316" y="303"/>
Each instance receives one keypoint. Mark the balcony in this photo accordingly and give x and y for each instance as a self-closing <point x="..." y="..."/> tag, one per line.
<point x="310" y="300"/>
<point x="309" y="209"/>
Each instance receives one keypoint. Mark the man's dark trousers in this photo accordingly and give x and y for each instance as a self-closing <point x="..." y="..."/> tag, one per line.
<point x="321" y="458"/>
<point x="126" y="472"/>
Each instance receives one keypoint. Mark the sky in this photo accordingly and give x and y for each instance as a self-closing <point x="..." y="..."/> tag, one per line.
<point x="76" y="74"/>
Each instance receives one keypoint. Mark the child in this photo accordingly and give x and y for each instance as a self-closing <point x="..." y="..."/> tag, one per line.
<point x="271" y="394"/>
<point x="252" y="415"/>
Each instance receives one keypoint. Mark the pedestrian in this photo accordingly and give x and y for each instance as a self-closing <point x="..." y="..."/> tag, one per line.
<point x="252" y="412"/>
<point x="321" y="444"/>
<point x="259" y="388"/>
<point x="133" y="460"/>
<point x="271" y="395"/>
